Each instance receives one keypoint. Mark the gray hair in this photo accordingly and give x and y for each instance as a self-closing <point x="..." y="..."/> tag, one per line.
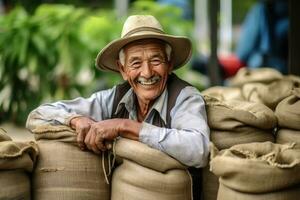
<point x="168" y="50"/>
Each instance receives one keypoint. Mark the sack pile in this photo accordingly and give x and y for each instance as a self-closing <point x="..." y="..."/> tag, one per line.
<point x="243" y="113"/>
<point x="235" y="122"/>
<point x="63" y="171"/>
<point x="16" y="164"/>
<point x="264" y="85"/>
<point x="288" y="114"/>
<point x="257" y="171"/>
<point x="224" y="93"/>
<point x="260" y="75"/>
<point x="146" y="173"/>
<point x="270" y="94"/>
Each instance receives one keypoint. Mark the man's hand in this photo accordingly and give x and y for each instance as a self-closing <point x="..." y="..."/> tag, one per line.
<point x="82" y="126"/>
<point x="100" y="133"/>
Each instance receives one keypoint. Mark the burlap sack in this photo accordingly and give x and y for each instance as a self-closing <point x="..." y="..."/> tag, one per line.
<point x="63" y="171"/>
<point x="3" y="136"/>
<point x="57" y="133"/>
<point x="287" y="136"/>
<point x="261" y="75"/>
<point x="17" y="155"/>
<point x="293" y="78"/>
<point x="288" y="111"/>
<point x="145" y="156"/>
<point x="258" y="167"/>
<point x="16" y="162"/>
<point x="14" y="184"/>
<point x="269" y="94"/>
<point x="227" y="139"/>
<point x="233" y="114"/>
<point x="147" y="174"/>
<point x="250" y="92"/>
<point x="226" y="193"/>
<point x="224" y="93"/>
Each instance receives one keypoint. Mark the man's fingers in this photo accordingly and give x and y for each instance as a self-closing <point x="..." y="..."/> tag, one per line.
<point x="87" y="140"/>
<point x="92" y="143"/>
<point x="80" y="139"/>
<point x="100" y="142"/>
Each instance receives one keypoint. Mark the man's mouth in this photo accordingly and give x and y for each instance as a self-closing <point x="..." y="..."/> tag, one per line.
<point x="151" y="81"/>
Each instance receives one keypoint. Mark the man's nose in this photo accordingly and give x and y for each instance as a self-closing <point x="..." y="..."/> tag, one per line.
<point x="146" y="69"/>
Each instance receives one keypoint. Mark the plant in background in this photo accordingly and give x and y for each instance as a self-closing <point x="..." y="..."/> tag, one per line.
<point x="39" y="58"/>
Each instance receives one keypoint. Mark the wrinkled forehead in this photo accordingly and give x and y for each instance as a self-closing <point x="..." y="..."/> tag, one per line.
<point x="155" y="43"/>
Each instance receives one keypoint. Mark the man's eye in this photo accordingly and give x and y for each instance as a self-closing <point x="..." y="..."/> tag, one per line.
<point x="136" y="64"/>
<point x="155" y="62"/>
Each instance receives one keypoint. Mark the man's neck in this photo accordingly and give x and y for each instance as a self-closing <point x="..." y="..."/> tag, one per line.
<point x="143" y="109"/>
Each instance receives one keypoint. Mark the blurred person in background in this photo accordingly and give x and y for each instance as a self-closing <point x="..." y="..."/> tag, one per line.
<point x="153" y="106"/>
<point x="263" y="41"/>
<point x="264" y="37"/>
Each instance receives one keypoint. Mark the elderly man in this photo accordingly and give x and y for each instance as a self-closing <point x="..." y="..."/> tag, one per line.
<point x="153" y="106"/>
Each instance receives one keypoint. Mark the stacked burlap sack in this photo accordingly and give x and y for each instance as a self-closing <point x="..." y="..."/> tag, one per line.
<point x="147" y="174"/>
<point x="235" y="122"/>
<point x="250" y="92"/>
<point x="257" y="171"/>
<point x="16" y="164"/>
<point x="259" y="75"/>
<point x="63" y="171"/>
<point x="288" y="114"/>
<point x="265" y="85"/>
<point x="224" y="93"/>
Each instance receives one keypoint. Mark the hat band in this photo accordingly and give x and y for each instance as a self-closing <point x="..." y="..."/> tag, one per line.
<point x="143" y="29"/>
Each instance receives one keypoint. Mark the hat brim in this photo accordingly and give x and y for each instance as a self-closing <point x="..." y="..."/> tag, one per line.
<point x="181" y="50"/>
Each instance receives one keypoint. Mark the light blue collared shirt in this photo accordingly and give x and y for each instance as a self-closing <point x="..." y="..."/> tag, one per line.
<point x="187" y="140"/>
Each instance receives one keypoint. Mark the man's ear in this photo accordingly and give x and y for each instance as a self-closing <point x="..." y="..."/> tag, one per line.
<point x="122" y="70"/>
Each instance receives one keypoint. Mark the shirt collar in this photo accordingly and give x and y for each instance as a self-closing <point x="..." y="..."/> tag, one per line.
<point x="160" y="104"/>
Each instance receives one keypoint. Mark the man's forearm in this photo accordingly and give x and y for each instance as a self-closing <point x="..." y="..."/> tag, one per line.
<point x="129" y="129"/>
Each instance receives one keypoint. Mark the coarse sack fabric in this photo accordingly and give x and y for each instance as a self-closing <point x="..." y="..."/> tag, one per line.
<point x="132" y="181"/>
<point x="257" y="167"/>
<point x="226" y="193"/>
<point x="233" y="114"/>
<point x="147" y="174"/>
<point x="145" y="156"/>
<point x="287" y="136"/>
<point x="226" y="139"/>
<point x="63" y="171"/>
<point x="224" y="93"/>
<point x="260" y="75"/>
<point x="16" y="163"/>
<point x="14" y="184"/>
<point x="3" y="136"/>
<point x="269" y="94"/>
<point x="288" y="111"/>
<point x="58" y="133"/>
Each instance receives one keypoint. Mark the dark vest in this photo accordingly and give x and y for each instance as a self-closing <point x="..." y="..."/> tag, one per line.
<point x="174" y="87"/>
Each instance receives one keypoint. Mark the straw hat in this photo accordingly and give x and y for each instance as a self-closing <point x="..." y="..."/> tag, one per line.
<point x="138" y="27"/>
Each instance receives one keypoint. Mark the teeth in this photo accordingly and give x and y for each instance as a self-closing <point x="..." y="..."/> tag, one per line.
<point x="150" y="81"/>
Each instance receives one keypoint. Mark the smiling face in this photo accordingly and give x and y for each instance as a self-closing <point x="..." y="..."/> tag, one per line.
<point x="146" y="68"/>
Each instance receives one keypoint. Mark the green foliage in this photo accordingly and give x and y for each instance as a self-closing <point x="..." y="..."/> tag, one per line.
<point x="49" y="55"/>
